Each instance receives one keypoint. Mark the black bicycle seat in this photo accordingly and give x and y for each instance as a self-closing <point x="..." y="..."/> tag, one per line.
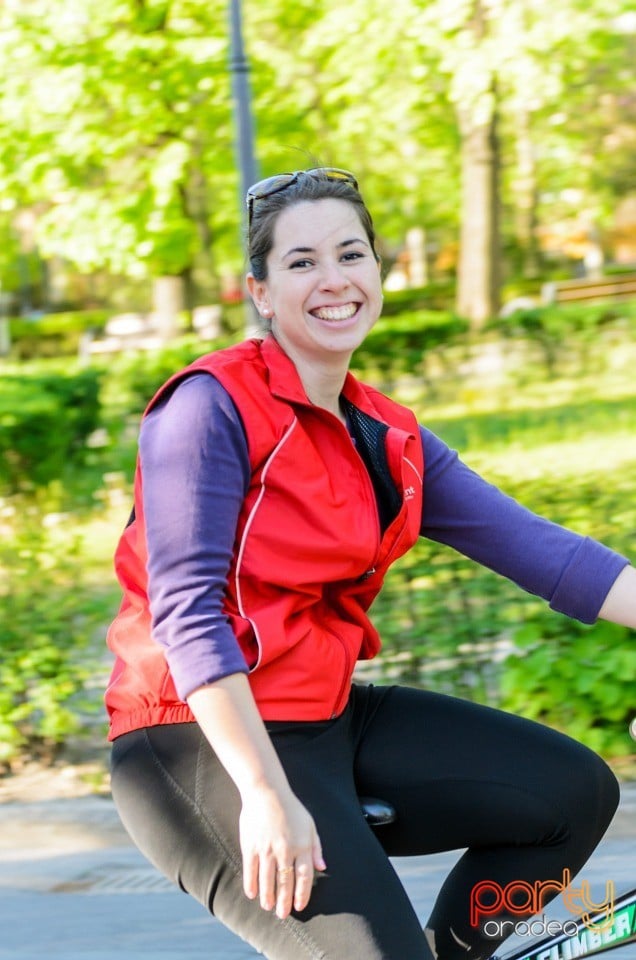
<point x="377" y="812"/>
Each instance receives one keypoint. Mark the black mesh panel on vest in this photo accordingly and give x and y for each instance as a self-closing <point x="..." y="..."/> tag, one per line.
<point x="370" y="436"/>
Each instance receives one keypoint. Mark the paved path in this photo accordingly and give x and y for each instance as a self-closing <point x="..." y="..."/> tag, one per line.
<point x="73" y="888"/>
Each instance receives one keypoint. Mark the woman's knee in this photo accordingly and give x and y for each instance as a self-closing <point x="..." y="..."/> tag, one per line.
<point x="587" y="791"/>
<point x="604" y="793"/>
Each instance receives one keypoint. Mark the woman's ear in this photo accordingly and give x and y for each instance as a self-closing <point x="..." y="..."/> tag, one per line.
<point x="258" y="292"/>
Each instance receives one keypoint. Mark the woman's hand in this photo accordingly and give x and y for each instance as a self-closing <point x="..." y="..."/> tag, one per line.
<point x="276" y="831"/>
<point x="280" y="848"/>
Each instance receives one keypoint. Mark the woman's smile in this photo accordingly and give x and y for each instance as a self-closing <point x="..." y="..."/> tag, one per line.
<point x="336" y="314"/>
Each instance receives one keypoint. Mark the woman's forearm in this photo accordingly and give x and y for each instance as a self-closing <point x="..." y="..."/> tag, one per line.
<point x="279" y="842"/>
<point x="620" y="602"/>
<point x="227" y="714"/>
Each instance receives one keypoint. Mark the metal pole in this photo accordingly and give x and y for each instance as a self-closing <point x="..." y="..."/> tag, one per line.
<point x="239" y="70"/>
<point x="244" y="131"/>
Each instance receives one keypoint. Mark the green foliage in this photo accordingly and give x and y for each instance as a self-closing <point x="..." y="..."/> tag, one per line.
<point x="141" y="177"/>
<point x="401" y="344"/>
<point x="55" y="334"/>
<point x="450" y="624"/>
<point x="579" y="679"/>
<point x="9" y="255"/>
<point x="438" y="295"/>
<point x="144" y="91"/>
<point x="440" y="618"/>
<point x="559" y="327"/>
<point x="134" y="378"/>
<point x="45" y="420"/>
<point x="562" y="321"/>
<point x="46" y="621"/>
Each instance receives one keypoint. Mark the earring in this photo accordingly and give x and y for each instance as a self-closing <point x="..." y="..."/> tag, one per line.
<point x="266" y="313"/>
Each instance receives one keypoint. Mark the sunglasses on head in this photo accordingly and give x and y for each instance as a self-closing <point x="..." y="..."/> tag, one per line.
<point x="271" y="185"/>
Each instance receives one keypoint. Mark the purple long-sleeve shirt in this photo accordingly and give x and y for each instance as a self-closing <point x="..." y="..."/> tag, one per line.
<point x="195" y="476"/>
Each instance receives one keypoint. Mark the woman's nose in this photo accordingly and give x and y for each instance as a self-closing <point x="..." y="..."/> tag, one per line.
<point x="333" y="277"/>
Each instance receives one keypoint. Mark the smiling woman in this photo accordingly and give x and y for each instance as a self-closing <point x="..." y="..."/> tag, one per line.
<point x="273" y="492"/>
<point x="321" y="297"/>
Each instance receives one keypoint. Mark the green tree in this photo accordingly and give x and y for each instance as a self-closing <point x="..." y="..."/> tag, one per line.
<point x="505" y="64"/>
<point x="343" y="86"/>
<point x="462" y="117"/>
<point x="443" y="108"/>
<point x="118" y="110"/>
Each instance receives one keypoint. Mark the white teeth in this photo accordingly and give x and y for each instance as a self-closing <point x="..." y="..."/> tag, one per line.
<point x="336" y="313"/>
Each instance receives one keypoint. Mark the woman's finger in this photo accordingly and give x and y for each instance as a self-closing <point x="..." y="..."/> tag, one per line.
<point x="250" y="876"/>
<point x="318" y="859"/>
<point x="304" y="883"/>
<point x="267" y="882"/>
<point x="285" y="886"/>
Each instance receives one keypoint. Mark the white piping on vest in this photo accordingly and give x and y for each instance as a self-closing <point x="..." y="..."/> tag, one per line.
<point x="237" y="576"/>
<point x="413" y="468"/>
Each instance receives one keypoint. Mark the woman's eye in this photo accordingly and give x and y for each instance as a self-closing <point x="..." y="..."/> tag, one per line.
<point x="352" y="255"/>
<point x="299" y="263"/>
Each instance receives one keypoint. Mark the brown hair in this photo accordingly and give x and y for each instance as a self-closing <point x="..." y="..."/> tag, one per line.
<point x="308" y="187"/>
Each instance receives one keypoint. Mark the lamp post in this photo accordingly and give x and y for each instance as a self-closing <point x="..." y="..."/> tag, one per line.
<point x="244" y="129"/>
<point x="239" y="70"/>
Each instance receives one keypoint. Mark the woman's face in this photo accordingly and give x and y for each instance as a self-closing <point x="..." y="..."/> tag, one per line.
<point x="323" y="289"/>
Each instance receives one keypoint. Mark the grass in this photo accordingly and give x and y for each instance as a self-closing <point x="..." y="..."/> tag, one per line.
<point x="520" y="426"/>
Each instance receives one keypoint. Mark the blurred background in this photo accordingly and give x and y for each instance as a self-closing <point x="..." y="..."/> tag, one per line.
<point x="495" y="144"/>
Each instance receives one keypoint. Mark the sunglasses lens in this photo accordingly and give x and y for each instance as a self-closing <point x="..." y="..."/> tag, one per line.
<point x="265" y="188"/>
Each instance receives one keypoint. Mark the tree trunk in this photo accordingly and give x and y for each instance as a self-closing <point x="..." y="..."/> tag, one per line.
<point x="205" y="282"/>
<point x="168" y="300"/>
<point x="478" y="279"/>
<point x="416" y="246"/>
<point x="5" y="337"/>
<point x="5" y="329"/>
<point x="526" y="192"/>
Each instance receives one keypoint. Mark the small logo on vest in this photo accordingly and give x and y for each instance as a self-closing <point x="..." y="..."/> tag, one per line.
<point x="409" y="493"/>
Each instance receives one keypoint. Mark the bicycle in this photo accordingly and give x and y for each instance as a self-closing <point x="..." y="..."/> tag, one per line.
<point x="589" y="934"/>
<point x="596" y="933"/>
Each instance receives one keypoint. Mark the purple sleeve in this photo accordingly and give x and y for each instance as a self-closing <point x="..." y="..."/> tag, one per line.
<point x="461" y="509"/>
<point x="195" y="470"/>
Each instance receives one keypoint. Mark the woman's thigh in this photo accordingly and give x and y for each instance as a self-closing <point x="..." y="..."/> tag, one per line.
<point x="182" y="810"/>
<point x="461" y="774"/>
<point x="526" y="802"/>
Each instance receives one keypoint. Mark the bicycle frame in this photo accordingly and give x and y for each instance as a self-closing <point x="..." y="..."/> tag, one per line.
<point x="597" y="933"/>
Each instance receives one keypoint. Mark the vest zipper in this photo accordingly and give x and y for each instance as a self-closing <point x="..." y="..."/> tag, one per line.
<point x="371" y="497"/>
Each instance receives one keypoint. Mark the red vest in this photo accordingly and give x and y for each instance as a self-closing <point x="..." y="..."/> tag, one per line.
<point x="309" y="555"/>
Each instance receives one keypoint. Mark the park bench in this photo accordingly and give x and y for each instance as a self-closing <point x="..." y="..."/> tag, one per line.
<point x="589" y="289"/>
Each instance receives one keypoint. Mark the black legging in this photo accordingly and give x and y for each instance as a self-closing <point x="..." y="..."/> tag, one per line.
<point x="525" y="801"/>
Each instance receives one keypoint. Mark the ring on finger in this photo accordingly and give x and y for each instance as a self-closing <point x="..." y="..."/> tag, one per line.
<point x="284" y="871"/>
